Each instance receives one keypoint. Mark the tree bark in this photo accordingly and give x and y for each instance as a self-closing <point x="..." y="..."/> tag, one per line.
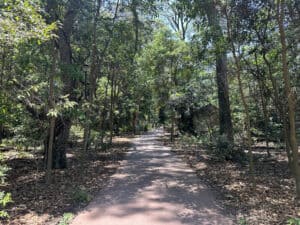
<point x="63" y="123"/>
<point x="223" y="97"/>
<point x="290" y="96"/>
<point x="111" y="110"/>
<point x="225" y="119"/>
<point x="266" y="116"/>
<point x="2" y="92"/>
<point x="52" y="119"/>
<point x="173" y="125"/>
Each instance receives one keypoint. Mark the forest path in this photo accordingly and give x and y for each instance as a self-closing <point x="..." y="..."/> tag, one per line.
<point x="153" y="187"/>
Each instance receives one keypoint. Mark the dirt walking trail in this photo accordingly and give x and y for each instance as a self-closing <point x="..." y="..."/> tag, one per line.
<point x="153" y="187"/>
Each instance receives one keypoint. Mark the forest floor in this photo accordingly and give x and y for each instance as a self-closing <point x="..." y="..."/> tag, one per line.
<point x="35" y="203"/>
<point x="271" y="201"/>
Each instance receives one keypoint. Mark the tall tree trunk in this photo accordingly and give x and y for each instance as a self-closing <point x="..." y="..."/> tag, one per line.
<point x="225" y="119"/>
<point x="290" y="96"/>
<point x="63" y="123"/>
<point x="223" y="97"/>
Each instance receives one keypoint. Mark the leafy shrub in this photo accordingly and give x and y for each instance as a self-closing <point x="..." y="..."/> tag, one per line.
<point x="294" y="221"/>
<point x="5" y="198"/>
<point x="67" y="217"/>
<point x="3" y="170"/>
<point x="80" y="195"/>
<point x="146" y="128"/>
<point x="224" y="150"/>
<point x="189" y="140"/>
<point x="242" y="221"/>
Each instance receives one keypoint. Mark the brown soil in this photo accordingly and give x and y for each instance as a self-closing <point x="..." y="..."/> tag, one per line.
<point x="271" y="201"/>
<point x="35" y="203"/>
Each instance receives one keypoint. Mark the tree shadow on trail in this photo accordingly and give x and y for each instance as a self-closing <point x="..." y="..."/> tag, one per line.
<point x="261" y="204"/>
<point x="153" y="181"/>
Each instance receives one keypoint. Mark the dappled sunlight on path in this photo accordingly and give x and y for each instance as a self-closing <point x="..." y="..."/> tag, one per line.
<point x="153" y="187"/>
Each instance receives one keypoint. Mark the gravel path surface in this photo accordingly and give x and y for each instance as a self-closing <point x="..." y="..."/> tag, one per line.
<point x="153" y="187"/>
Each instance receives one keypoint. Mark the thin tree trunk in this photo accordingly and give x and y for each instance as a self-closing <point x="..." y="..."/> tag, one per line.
<point x="289" y="95"/>
<point x="92" y="76"/>
<point x="265" y="115"/>
<point x="50" y="150"/>
<point x="136" y="24"/>
<point x="137" y="119"/>
<point x="86" y="135"/>
<point x="86" y="130"/>
<point x="52" y="120"/>
<point x="173" y="125"/>
<point x="2" y="92"/>
<point x="111" y="111"/>
<point x="243" y="98"/>
<point x="247" y="116"/>
<point x="104" y="112"/>
<point x="281" y="108"/>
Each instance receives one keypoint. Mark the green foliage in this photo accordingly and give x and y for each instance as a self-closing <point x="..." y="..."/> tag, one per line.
<point x="67" y="217"/>
<point x="242" y="221"/>
<point x="223" y="150"/>
<point x="80" y="195"/>
<point x="62" y="106"/>
<point x="222" y="143"/>
<point x="5" y="197"/>
<point x="293" y="221"/>
<point x="189" y="140"/>
<point x="3" y="170"/>
<point x="21" y="20"/>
